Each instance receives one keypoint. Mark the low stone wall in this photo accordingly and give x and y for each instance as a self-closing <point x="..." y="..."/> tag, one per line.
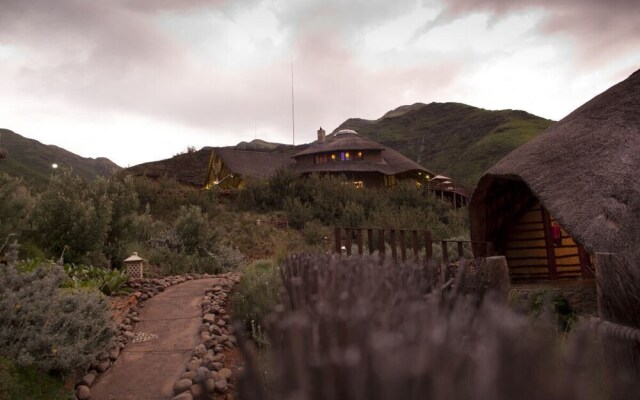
<point x="580" y="295"/>
<point x="206" y="373"/>
<point x="126" y="315"/>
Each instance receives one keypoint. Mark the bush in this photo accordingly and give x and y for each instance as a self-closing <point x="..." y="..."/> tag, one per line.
<point x="229" y="258"/>
<point x="192" y="229"/>
<point x="257" y="294"/>
<point x="16" y="204"/>
<point x="316" y="234"/>
<point x="48" y="327"/>
<point x="73" y="214"/>
<point x="297" y="213"/>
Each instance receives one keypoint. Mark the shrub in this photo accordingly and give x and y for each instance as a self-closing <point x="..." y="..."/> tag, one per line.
<point x="110" y="282"/>
<point x="297" y="213"/>
<point x="316" y="234"/>
<point x="257" y="294"/>
<point x="16" y="204"/>
<point x="229" y="258"/>
<point x="72" y="213"/>
<point x="192" y="229"/>
<point x="48" y="327"/>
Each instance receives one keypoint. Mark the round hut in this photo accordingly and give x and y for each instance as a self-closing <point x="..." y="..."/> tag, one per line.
<point x="572" y="191"/>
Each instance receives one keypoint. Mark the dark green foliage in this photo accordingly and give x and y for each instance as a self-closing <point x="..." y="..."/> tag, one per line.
<point x="111" y="282"/>
<point x="193" y="230"/>
<point x="331" y="202"/>
<point x="257" y="293"/>
<point x="74" y="214"/>
<point x="52" y="328"/>
<point x="22" y="383"/>
<point x="16" y="204"/>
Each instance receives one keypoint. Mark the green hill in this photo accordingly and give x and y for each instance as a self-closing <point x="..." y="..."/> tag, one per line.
<point x="32" y="160"/>
<point x="452" y="139"/>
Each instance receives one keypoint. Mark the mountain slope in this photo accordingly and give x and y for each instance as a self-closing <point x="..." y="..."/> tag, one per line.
<point x="452" y="139"/>
<point x="32" y="160"/>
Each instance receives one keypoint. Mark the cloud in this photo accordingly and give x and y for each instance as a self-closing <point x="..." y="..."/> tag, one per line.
<point x="599" y="29"/>
<point x="222" y="68"/>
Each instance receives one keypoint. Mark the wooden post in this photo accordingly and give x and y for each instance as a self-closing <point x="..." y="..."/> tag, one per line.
<point x="489" y="249"/>
<point x="394" y="251"/>
<point x="585" y="262"/>
<point x="416" y="245"/>
<point x="460" y="250"/>
<point x="403" y="246"/>
<point x="370" y="240"/>
<point x="622" y="354"/>
<point x="347" y="233"/>
<point x="496" y="277"/>
<point x="338" y="241"/>
<point x="359" y="239"/>
<point x="445" y="252"/>
<point x="428" y="245"/>
<point x="381" y="247"/>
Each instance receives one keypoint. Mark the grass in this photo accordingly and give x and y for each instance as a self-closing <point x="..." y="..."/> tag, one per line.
<point x="27" y="383"/>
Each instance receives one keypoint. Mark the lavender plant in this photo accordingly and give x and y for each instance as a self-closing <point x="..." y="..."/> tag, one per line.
<point x="54" y="329"/>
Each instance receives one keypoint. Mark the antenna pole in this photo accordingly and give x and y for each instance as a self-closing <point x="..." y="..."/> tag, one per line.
<point x="293" y="118"/>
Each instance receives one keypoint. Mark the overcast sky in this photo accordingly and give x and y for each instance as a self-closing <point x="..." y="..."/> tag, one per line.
<point x="140" y="80"/>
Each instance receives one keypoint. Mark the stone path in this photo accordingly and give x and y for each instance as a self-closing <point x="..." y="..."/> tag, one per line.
<point x="147" y="370"/>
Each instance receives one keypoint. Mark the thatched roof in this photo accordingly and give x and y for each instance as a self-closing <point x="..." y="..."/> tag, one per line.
<point x="342" y="140"/>
<point x="187" y="168"/>
<point x="584" y="169"/>
<point x="253" y="164"/>
<point x="392" y="162"/>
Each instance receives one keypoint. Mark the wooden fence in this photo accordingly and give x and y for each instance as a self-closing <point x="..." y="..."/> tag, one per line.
<point x="404" y="241"/>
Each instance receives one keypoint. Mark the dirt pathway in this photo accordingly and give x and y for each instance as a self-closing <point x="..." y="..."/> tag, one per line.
<point x="148" y="370"/>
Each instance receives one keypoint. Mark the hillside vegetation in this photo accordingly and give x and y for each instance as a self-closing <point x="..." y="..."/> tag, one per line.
<point x="452" y="139"/>
<point x="31" y="160"/>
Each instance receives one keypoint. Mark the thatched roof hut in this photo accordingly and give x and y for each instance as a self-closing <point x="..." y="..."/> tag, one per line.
<point x="229" y="167"/>
<point x="582" y="172"/>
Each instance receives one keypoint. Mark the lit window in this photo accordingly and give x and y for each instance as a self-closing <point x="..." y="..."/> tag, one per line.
<point x="333" y="157"/>
<point x="358" y="184"/>
<point x="359" y="155"/>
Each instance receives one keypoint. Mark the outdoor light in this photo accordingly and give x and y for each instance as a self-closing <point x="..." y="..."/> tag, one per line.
<point x="54" y="166"/>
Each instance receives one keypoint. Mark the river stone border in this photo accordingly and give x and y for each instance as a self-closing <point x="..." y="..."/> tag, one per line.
<point x="144" y="289"/>
<point x="206" y="374"/>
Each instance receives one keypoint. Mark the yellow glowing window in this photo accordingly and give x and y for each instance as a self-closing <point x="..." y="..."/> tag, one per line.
<point x="333" y="157"/>
<point x="359" y="155"/>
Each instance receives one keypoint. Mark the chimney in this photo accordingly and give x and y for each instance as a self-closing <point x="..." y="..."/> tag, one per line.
<point x="321" y="135"/>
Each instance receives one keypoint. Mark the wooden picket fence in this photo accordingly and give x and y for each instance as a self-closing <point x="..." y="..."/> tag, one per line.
<point x="404" y="241"/>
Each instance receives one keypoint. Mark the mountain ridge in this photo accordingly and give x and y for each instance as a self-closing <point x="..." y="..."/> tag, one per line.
<point x="32" y="160"/>
<point x="453" y="139"/>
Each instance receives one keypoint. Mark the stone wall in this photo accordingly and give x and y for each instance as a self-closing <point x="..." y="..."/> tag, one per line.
<point x="580" y="295"/>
